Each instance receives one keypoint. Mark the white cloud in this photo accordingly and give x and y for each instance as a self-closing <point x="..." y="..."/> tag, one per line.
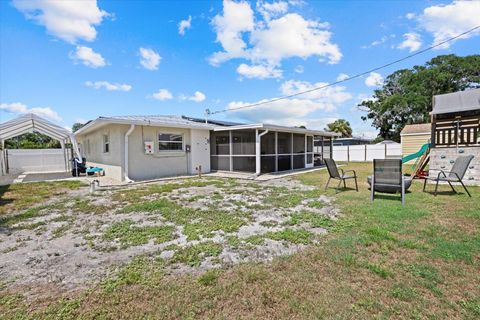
<point x="258" y="71"/>
<point x="162" y="95"/>
<point x="69" y="20"/>
<point x="108" y="86"/>
<point x="374" y="80"/>
<point x="270" y="40"/>
<point x="184" y="25"/>
<point x="299" y="69"/>
<point x="446" y="21"/>
<point x="410" y="16"/>
<point x="272" y="9"/>
<point x="330" y="96"/>
<point x="149" y="59"/>
<point x="342" y="76"/>
<point x="378" y="42"/>
<point x="81" y="120"/>
<point x="20" y="108"/>
<point x="412" y="42"/>
<point x="297" y="110"/>
<point x="197" y="97"/>
<point x="88" y="57"/>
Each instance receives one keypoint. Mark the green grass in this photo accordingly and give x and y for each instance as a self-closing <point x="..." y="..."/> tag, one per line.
<point x="314" y="219"/>
<point x="128" y="234"/>
<point x="290" y="235"/>
<point x="379" y="260"/>
<point x="194" y="255"/>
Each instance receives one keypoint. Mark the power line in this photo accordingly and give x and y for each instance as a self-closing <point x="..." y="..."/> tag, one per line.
<point x="349" y="78"/>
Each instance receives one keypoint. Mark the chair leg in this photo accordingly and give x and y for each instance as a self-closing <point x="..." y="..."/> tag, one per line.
<point x="356" y="184"/>
<point x="344" y="184"/>
<point x="451" y="186"/>
<point x="436" y="188"/>
<point x="424" y="184"/>
<point x="339" y="184"/>
<point x="464" y="187"/>
<point x="327" y="183"/>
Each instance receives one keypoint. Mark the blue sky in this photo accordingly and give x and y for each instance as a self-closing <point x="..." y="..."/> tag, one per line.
<point x="77" y="60"/>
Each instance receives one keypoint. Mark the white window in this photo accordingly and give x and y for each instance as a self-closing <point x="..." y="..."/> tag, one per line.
<point x="170" y="142"/>
<point x="106" y="143"/>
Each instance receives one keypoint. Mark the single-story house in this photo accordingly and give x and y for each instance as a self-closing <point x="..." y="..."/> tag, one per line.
<point x="149" y="147"/>
<point x="414" y="136"/>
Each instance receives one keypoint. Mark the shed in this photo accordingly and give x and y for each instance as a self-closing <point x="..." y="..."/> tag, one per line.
<point x="414" y="136"/>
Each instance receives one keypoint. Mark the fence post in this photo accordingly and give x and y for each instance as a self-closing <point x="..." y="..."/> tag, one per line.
<point x="365" y="153"/>
<point x="385" y="151"/>
<point x="348" y="154"/>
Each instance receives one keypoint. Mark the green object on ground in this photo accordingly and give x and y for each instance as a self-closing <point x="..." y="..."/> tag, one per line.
<point x="417" y="154"/>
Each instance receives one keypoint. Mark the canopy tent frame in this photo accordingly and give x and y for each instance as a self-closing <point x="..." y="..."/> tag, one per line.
<point x="31" y="123"/>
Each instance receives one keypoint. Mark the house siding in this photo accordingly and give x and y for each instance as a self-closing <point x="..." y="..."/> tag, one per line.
<point x="143" y="166"/>
<point x="411" y="143"/>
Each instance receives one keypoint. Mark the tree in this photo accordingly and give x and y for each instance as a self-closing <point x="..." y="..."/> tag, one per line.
<point x="76" y="126"/>
<point x="31" y="141"/>
<point x="406" y="95"/>
<point x="341" y="126"/>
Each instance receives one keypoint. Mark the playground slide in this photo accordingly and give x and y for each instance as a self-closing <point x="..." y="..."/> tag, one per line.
<point x="417" y="154"/>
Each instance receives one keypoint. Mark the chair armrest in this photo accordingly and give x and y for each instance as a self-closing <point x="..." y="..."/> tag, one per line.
<point x="354" y="173"/>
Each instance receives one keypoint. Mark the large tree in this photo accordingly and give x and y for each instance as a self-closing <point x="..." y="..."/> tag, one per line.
<point x="77" y="126"/>
<point x="341" y="126"/>
<point x="406" y="95"/>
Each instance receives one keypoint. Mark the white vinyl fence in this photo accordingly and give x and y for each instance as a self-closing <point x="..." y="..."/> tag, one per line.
<point x="366" y="152"/>
<point x="37" y="160"/>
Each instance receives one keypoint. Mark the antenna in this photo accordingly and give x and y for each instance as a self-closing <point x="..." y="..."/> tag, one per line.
<point x="207" y="113"/>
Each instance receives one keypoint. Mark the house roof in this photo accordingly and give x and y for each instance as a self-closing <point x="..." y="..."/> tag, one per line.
<point x="460" y="101"/>
<point x="417" y="128"/>
<point x="147" y="120"/>
<point x="266" y="126"/>
<point x="191" y="123"/>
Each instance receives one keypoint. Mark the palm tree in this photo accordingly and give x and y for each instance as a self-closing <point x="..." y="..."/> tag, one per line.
<point x="341" y="126"/>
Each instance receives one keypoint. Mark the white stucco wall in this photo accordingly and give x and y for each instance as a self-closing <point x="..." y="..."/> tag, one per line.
<point x="143" y="166"/>
<point x="111" y="162"/>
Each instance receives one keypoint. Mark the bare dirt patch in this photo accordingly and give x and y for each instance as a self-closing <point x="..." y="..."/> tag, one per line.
<point x="192" y="225"/>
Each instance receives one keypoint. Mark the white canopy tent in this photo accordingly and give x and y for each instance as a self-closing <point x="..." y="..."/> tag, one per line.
<point x="30" y="123"/>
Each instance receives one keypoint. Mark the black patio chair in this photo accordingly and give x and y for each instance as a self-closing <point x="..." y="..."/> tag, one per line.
<point x="387" y="177"/>
<point x="334" y="174"/>
<point x="455" y="175"/>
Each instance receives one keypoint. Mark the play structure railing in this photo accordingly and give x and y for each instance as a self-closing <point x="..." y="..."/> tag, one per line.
<point x="464" y="132"/>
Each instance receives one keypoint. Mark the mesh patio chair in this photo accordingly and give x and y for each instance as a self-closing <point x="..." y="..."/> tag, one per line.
<point x="387" y="177"/>
<point x="455" y="175"/>
<point x="334" y="174"/>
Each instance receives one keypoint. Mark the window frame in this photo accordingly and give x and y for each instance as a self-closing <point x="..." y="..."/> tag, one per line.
<point x="106" y="143"/>
<point x="169" y="141"/>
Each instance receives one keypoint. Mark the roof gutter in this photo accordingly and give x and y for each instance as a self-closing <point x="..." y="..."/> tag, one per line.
<point x="127" y="134"/>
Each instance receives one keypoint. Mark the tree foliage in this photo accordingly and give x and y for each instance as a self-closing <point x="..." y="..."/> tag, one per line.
<point x="31" y="141"/>
<point x="76" y="126"/>
<point x="341" y="126"/>
<point x="406" y="95"/>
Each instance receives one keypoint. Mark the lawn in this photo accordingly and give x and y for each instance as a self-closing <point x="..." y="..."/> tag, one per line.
<point x="378" y="260"/>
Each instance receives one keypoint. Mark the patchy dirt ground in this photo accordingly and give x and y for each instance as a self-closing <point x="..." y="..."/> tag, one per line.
<point x="190" y="225"/>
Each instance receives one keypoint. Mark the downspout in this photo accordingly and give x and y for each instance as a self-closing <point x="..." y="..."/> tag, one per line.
<point x="127" y="134"/>
<point x="257" y="151"/>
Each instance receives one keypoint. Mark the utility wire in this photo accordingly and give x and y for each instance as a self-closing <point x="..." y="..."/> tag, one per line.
<point x="349" y="78"/>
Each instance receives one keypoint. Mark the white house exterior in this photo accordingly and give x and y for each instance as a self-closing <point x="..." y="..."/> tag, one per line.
<point x="149" y="147"/>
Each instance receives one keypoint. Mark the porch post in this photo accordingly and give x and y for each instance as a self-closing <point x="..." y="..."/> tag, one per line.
<point x="257" y="153"/>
